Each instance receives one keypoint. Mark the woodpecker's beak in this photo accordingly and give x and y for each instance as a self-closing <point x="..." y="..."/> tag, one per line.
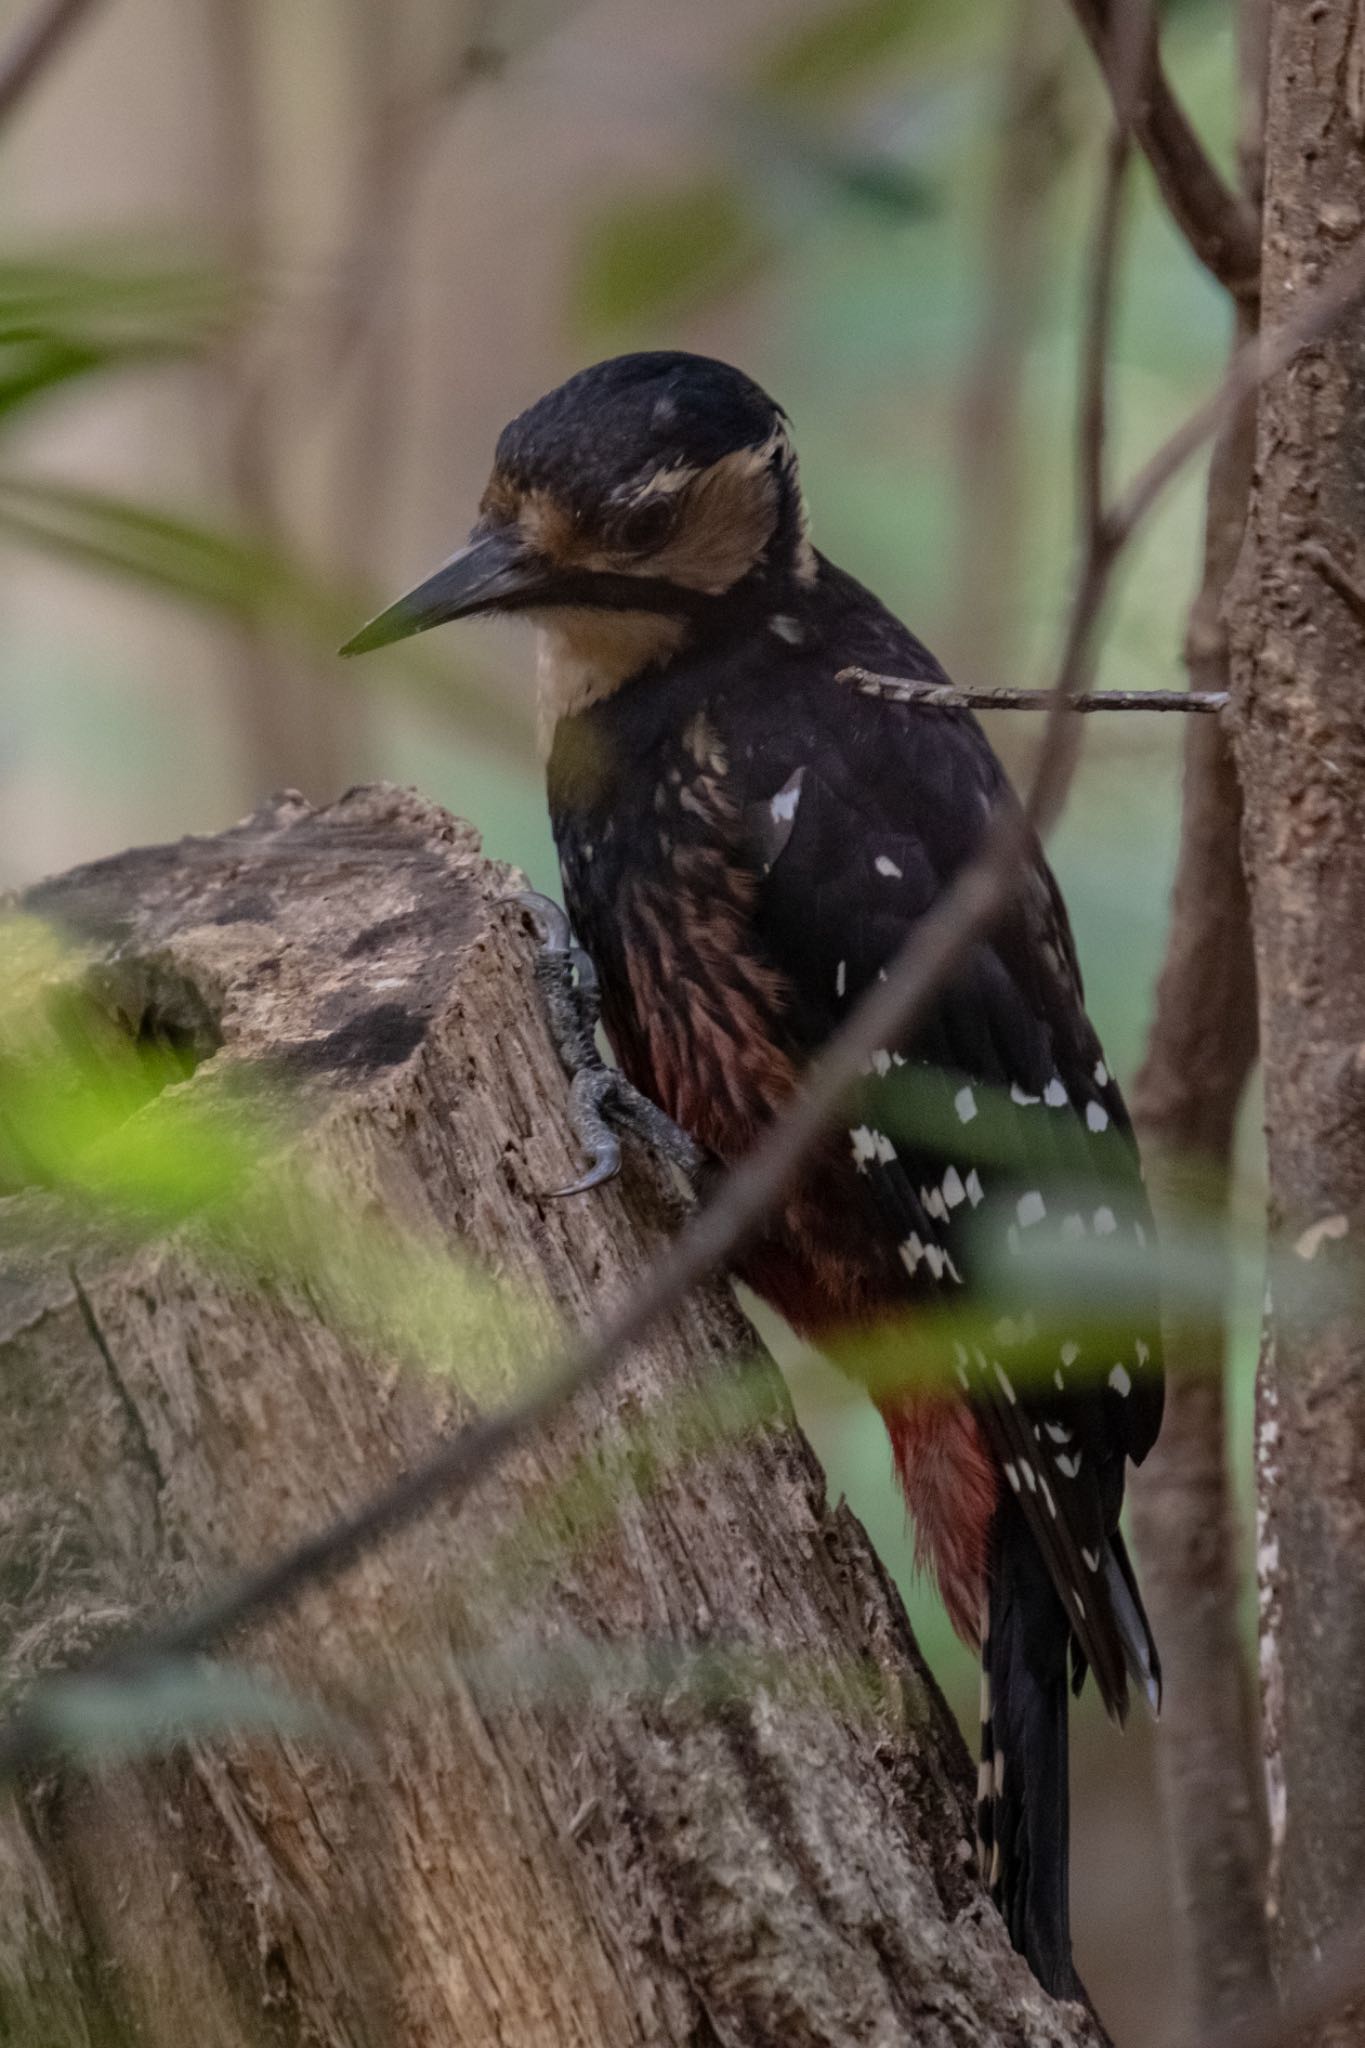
<point x="494" y="572"/>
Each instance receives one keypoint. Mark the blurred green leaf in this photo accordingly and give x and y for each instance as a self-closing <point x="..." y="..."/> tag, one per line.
<point x="178" y="556"/>
<point x="645" y="258"/>
<point x="837" y="47"/>
<point x="137" y="301"/>
<point x="66" y="319"/>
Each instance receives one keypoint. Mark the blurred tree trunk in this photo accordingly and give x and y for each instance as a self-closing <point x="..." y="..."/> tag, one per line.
<point x="1186" y="1102"/>
<point x="992" y="481"/>
<point x="1298" y="658"/>
<point x="621" y="1856"/>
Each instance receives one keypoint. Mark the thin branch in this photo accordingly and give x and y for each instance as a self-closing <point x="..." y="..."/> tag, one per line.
<point x="900" y="690"/>
<point x="1220" y="228"/>
<point x="34" y="46"/>
<point x="1253" y="365"/>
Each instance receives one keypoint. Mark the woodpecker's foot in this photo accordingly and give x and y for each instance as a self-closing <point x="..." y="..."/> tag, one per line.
<point x="603" y="1105"/>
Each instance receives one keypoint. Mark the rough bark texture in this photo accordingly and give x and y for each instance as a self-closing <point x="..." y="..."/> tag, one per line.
<point x="1299" y="654"/>
<point x="1199" y="1056"/>
<point x="501" y="1861"/>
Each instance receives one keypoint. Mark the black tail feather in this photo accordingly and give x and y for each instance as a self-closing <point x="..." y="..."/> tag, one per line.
<point x="1022" y="1789"/>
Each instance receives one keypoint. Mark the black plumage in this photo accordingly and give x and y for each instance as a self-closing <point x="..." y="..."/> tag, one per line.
<point x="746" y="839"/>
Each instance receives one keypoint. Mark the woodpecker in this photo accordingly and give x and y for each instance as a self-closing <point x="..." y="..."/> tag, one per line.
<point x="747" y="835"/>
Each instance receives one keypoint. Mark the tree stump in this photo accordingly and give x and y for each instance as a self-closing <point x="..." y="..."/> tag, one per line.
<point x="545" y="1823"/>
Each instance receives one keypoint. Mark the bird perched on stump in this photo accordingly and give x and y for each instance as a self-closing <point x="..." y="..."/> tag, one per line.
<point x="747" y="835"/>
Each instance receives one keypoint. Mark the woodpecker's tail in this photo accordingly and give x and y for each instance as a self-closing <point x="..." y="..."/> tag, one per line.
<point x="1023" y="1827"/>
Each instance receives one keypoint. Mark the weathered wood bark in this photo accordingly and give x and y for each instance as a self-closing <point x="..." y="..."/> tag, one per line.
<point x="784" y="1861"/>
<point x="1299" y="655"/>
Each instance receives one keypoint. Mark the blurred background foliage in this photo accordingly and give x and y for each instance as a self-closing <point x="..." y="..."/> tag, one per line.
<point x="274" y="274"/>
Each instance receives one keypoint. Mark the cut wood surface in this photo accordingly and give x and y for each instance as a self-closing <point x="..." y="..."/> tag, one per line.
<point x="541" y="1827"/>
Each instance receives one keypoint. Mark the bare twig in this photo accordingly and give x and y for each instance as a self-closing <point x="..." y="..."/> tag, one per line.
<point x="1220" y="228"/>
<point x="34" y="46"/>
<point x="901" y="690"/>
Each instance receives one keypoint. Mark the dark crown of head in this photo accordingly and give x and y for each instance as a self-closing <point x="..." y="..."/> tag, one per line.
<point x="633" y="414"/>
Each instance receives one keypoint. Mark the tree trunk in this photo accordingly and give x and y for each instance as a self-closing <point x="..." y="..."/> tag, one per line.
<point x="1185" y="1102"/>
<point x="1299" y="655"/>
<point x="554" y="1832"/>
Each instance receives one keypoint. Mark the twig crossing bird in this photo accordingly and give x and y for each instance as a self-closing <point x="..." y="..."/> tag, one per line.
<point x="746" y="837"/>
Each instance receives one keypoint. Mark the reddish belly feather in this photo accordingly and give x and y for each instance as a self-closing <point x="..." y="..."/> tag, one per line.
<point x="824" y="1265"/>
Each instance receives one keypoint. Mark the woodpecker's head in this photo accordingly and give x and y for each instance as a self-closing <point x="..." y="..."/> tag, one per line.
<point x="649" y="500"/>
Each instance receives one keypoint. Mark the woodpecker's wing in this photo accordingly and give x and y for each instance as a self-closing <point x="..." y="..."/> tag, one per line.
<point x="994" y="1142"/>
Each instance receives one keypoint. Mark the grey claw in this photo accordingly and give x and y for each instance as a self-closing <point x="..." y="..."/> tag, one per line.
<point x="606" y="1165"/>
<point x="585" y="974"/>
<point x="601" y="1101"/>
<point x="557" y="935"/>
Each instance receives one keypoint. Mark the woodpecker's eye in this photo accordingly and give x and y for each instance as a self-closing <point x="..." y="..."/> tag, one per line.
<point x="647" y="526"/>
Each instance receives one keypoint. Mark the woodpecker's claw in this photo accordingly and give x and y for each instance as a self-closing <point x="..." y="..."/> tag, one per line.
<point x="602" y="1103"/>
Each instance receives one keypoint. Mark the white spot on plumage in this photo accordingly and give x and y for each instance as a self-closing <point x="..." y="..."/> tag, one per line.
<point x="1104" y="1222"/>
<point x="1055" y="1095"/>
<point x="1011" y="1475"/>
<point x="783" y="805"/>
<point x="886" y="1151"/>
<point x="1004" y="1380"/>
<point x="934" y="1203"/>
<point x="786" y="628"/>
<point x="1046" y="1492"/>
<point x="864" y="1146"/>
<point x="1070" y="1352"/>
<point x="1101" y="1074"/>
<point x="1097" y="1116"/>
<point x="1030" y="1208"/>
<point x="912" y="1251"/>
<point x="880" y="1062"/>
<point x="1058" y="1381"/>
<point x="1141" y="1351"/>
<point x="886" y="866"/>
<point x="1021" y="1096"/>
<point x="1092" y="1559"/>
<point x="933" y="1257"/>
<point x="1030" y="1476"/>
<point x="1069" y="1464"/>
<point x="1059" y="1432"/>
<point x="964" y="1102"/>
<point x="841" y="978"/>
<point x="953" y="1190"/>
<point x="1119" y="1380"/>
<point x="976" y="1194"/>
